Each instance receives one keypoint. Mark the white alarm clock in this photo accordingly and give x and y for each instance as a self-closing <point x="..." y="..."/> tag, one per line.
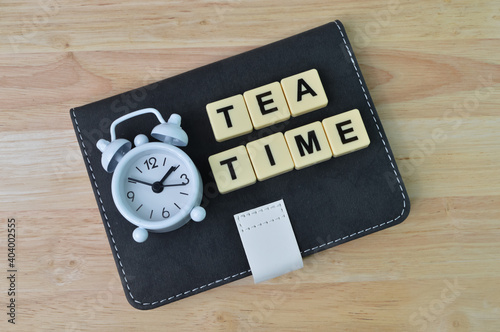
<point x="155" y="186"/>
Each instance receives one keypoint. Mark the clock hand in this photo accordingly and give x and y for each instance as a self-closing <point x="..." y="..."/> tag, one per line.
<point x="174" y="185"/>
<point x="170" y="171"/>
<point x="135" y="180"/>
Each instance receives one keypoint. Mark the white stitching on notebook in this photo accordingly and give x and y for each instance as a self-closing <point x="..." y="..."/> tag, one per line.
<point x="247" y="228"/>
<point x="114" y="242"/>
<point x="248" y="271"/>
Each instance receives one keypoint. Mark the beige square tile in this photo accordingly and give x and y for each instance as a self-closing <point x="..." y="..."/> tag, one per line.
<point x="304" y="92"/>
<point x="232" y="169"/>
<point x="229" y="118"/>
<point x="270" y="156"/>
<point x="308" y="145"/>
<point x="346" y="132"/>
<point x="267" y="105"/>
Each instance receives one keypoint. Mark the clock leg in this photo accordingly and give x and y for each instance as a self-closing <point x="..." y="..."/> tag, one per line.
<point x="198" y="213"/>
<point x="140" y="235"/>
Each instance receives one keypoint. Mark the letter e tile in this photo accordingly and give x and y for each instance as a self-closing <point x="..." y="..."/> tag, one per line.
<point x="346" y="132"/>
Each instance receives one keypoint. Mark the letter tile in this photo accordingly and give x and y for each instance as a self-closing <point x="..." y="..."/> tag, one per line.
<point x="270" y="156"/>
<point x="304" y="92"/>
<point x="229" y="118"/>
<point x="267" y="105"/>
<point x="232" y="169"/>
<point x="308" y="145"/>
<point x="346" y="132"/>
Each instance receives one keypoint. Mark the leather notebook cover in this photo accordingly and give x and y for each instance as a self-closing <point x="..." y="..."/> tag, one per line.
<point x="336" y="201"/>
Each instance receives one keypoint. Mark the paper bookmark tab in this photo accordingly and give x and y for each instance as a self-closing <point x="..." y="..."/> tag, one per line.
<point x="269" y="241"/>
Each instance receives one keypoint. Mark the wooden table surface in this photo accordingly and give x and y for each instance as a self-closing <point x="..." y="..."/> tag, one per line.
<point x="433" y="68"/>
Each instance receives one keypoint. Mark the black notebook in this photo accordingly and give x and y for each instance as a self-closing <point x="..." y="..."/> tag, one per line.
<point x="328" y="203"/>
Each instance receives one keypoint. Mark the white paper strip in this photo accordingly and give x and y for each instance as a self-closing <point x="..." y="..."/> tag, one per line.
<point x="269" y="241"/>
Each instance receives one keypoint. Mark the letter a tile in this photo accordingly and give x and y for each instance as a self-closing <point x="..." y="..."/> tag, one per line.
<point x="304" y="92"/>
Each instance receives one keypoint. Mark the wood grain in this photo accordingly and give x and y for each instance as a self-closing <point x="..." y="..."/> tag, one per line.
<point x="433" y="68"/>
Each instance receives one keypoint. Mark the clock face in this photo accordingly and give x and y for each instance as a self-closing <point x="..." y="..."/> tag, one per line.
<point x="156" y="185"/>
